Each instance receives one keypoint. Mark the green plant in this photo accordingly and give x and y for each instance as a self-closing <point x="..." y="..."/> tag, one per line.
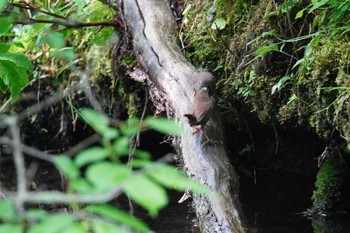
<point x="14" y="66"/>
<point x="98" y="174"/>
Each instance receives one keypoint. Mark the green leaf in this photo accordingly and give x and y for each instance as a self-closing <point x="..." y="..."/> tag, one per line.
<point x="121" y="146"/>
<point x="3" y="4"/>
<point x="4" y="47"/>
<point x="11" y="228"/>
<point x="172" y="178"/>
<point x="102" y="37"/>
<point x="118" y="215"/>
<point x="264" y="50"/>
<point x="299" y="14"/>
<point x="5" y="23"/>
<point x="100" y="226"/>
<point x="95" y="119"/>
<point x="219" y="23"/>
<point x="82" y="186"/>
<point x="164" y="125"/>
<point x="36" y="213"/>
<point x="67" y="166"/>
<point x="8" y="211"/>
<point x="55" y="40"/>
<point x="66" y="53"/>
<point x="90" y="155"/>
<point x="106" y="175"/>
<point x="146" y="193"/>
<point x="74" y="228"/>
<point x="54" y="223"/>
<point x="131" y="128"/>
<point x="19" y="60"/>
<point x="13" y="78"/>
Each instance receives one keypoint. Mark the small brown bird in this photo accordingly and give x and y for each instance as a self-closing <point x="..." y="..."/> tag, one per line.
<point x="201" y="109"/>
<point x="205" y="79"/>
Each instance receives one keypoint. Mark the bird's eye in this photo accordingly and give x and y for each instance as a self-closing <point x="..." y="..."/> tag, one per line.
<point x="205" y="88"/>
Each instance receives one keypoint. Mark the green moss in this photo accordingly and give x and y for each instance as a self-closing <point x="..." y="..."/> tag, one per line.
<point x="304" y="79"/>
<point x="328" y="186"/>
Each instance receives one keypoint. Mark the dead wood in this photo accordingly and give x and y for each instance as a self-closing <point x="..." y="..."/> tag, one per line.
<point x="171" y="79"/>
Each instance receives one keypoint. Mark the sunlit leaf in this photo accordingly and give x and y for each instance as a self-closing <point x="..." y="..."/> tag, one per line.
<point x="90" y="155"/>
<point x="146" y="193"/>
<point x="67" y="166"/>
<point x="164" y="125"/>
<point x="8" y="210"/>
<point x="118" y="215"/>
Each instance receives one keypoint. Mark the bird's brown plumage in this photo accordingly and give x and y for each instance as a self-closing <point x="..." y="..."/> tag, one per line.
<point x="201" y="109"/>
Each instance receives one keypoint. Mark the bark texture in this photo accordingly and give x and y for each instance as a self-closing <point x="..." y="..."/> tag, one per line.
<point x="171" y="78"/>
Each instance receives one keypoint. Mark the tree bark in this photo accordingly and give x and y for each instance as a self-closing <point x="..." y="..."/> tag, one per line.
<point x="171" y="78"/>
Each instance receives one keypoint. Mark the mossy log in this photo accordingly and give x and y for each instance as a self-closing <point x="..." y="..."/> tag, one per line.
<point x="171" y="81"/>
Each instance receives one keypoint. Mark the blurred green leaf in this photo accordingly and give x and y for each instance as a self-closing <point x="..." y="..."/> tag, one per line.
<point x="3" y="4"/>
<point x="121" y="145"/>
<point x="106" y="175"/>
<point x="130" y="128"/>
<point x="67" y="166"/>
<point x="146" y="193"/>
<point x="100" y="226"/>
<point x="95" y="119"/>
<point x="90" y="155"/>
<point x="36" y="213"/>
<point x="82" y="186"/>
<point x="118" y="215"/>
<point x="54" y="223"/>
<point x="172" y="178"/>
<point x="66" y="53"/>
<point x="164" y="125"/>
<point x="8" y="210"/>
<point x="11" y="228"/>
<point x="55" y="40"/>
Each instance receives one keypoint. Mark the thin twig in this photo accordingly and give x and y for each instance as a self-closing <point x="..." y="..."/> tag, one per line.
<point x="28" y="150"/>
<point x="12" y="122"/>
<point x="67" y="24"/>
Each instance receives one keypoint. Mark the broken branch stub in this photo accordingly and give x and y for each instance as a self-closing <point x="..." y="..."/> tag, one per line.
<point x="153" y="31"/>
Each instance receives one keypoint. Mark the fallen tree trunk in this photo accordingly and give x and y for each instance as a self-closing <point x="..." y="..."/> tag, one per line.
<point x="171" y="79"/>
